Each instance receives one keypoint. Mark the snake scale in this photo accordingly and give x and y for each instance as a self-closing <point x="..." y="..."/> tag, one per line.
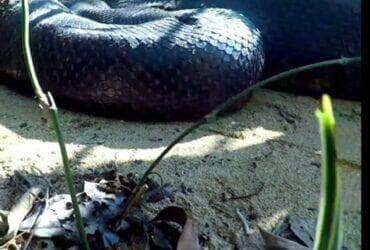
<point x="171" y="60"/>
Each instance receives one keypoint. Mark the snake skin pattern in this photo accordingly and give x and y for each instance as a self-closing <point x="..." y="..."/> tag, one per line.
<point x="170" y="59"/>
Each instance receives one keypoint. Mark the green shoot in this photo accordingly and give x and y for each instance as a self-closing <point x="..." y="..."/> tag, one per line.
<point x="328" y="229"/>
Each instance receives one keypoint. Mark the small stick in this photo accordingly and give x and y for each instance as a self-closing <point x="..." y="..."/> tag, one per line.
<point x="248" y="196"/>
<point x="135" y="199"/>
<point x="32" y="230"/>
<point x="244" y="221"/>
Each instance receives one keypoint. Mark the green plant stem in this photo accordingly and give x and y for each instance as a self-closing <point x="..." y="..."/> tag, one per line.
<point x="242" y="96"/>
<point x="328" y="229"/>
<point x="67" y="172"/>
<point x="47" y="103"/>
<point x="28" y="56"/>
<point x="142" y="181"/>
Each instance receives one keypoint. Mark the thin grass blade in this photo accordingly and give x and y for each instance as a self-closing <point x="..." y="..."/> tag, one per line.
<point x="328" y="229"/>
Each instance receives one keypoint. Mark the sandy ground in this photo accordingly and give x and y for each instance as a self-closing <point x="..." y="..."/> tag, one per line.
<point x="268" y="152"/>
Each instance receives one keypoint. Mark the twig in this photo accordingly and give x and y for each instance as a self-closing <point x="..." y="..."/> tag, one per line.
<point x="136" y="197"/>
<point x="32" y="230"/>
<point x="47" y="103"/>
<point x="248" y="196"/>
<point x="215" y="113"/>
<point x="244" y="222"/>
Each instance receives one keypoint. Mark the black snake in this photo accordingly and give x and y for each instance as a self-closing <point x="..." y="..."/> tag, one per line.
<point x="173" y="59"/>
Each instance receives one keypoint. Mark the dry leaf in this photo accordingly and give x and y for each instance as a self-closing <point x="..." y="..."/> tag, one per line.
<point x="189" y="238"/>
<point x="277" y="242"/>
<point x="295" y="229"/>
<point x="18" y="212"/>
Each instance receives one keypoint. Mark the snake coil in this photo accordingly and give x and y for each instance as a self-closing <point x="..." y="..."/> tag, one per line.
<point x="171" y="59"/>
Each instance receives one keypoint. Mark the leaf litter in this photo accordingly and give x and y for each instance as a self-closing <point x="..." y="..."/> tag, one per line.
<point x="290" y="233"/>
<point x="51" y="221"/>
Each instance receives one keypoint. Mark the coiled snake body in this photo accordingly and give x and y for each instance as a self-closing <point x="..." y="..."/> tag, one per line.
<point x="171" y="59"/>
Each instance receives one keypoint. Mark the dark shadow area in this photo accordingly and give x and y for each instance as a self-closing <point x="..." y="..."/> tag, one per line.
<point x="86" y="130"/>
